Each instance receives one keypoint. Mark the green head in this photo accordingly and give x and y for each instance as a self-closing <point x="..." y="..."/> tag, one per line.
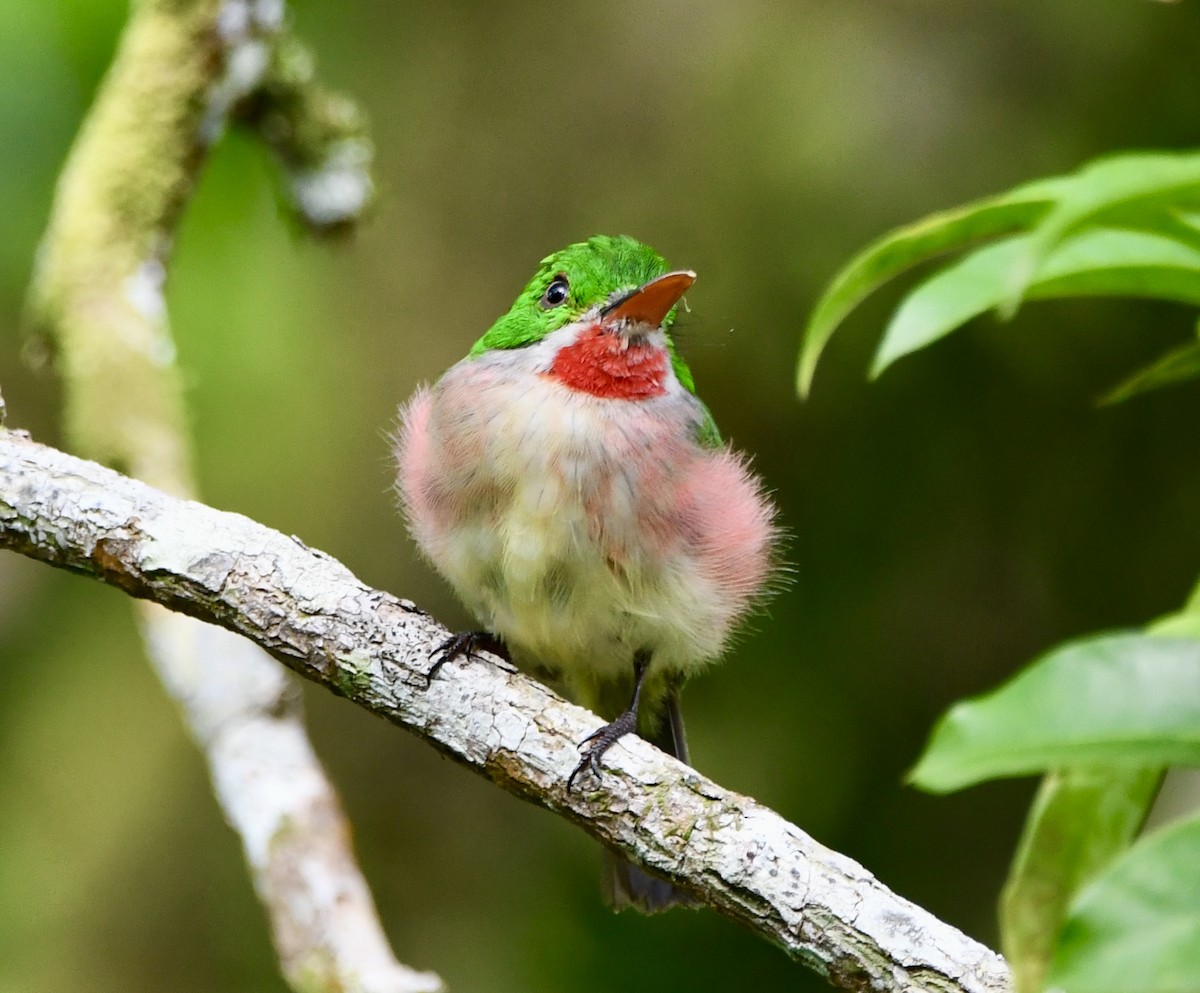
<point x="572" y="282"/>
<point x="605" y="275"/>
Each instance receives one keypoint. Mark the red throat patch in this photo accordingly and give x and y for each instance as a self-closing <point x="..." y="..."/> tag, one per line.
<point x="606" y="365"/>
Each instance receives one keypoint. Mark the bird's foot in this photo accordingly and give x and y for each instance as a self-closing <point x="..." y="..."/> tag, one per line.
<point x="466" y="645"/>
<point x="599" y="742"/>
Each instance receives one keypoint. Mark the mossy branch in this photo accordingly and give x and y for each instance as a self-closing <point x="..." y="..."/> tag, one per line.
<point x="183" y="70"/>
<point x="319" y="137"/>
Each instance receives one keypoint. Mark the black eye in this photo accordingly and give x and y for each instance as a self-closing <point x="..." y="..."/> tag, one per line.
<point x="556" y="293"/>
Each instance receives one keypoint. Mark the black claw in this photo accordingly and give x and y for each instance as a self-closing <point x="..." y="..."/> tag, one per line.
<point x="465" y="645"/>
<point x="600" y="742"/>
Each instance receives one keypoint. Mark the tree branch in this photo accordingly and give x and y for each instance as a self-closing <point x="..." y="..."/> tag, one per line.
<point x="182" y="70"/>
<point x="319" y="138"/>
<point x="308" y="611"/>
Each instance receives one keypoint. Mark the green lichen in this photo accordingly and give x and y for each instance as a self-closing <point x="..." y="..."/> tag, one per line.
<point x="317" y="973"/>
<point x="352" y="673"/>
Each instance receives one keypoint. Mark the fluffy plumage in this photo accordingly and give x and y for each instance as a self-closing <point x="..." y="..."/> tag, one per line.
<point x="573" y="490"/>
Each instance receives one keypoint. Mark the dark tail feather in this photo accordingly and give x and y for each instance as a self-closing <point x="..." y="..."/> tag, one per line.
<point x="623" y="884"/>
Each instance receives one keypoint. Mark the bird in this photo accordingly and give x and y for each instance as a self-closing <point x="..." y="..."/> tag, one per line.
<point x="575" y="492"/>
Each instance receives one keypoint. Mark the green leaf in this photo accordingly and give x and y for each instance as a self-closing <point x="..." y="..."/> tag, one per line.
<point x="1154" y="195"/>
<point x="1193" y="604"/>
<point x="1177" y="366"/>
<point x="1184" y="624"/>
<point x="909" y="246"/>
<point x="1081" y="819"/>
<point x="1133" y="189"/>
<point x="1182" y="225"/>
<point x="1120" y="262"/>
<point x="1101" y="261"/>
<point x="1129" y="699"/>
<point x="1136" y="928"/>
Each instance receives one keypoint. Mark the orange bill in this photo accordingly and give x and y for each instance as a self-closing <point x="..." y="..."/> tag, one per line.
<point x="650" y="303"/>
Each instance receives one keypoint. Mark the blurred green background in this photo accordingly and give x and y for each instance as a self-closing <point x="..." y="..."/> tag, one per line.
<point x="966" y="512"/>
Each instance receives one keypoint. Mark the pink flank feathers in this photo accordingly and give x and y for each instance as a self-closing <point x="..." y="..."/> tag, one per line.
<point x="581" y="528"/>
<point x="722" y="505"/>
<point x="414" y="463"/>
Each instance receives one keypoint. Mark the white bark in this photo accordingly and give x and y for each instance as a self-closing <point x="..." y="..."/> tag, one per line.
<point x="243" y="710"/>
<point x="307" y="610"/>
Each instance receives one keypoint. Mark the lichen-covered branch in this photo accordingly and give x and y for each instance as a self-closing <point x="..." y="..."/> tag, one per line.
<point x="319" y="137"/>
<point x="307" y="610"/>
<point x="97" y="289"/>
<point x="183" y="69"/>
